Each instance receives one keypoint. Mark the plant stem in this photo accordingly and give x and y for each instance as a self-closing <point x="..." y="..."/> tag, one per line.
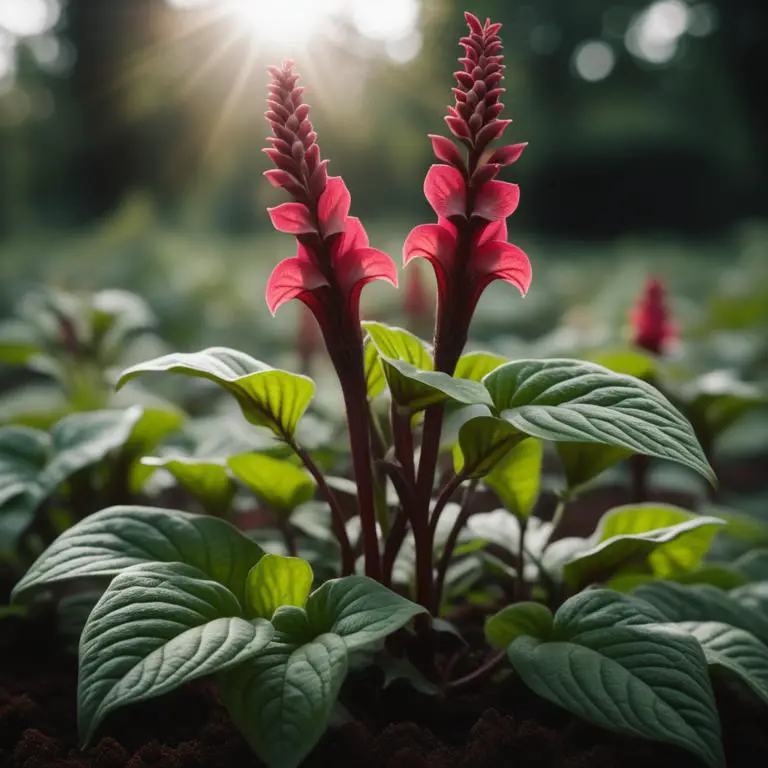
<point x="557" y="518"/>
<point x="403" y="439"/>
<point x="522" y="586"/>
<point x="639" y="466"/>
<point x="337" y="516"/>
<point x="287" y="533"/>
<point x="480" y="675"/>
<point x="450" y="544"/>
<point x="442" y="500"/>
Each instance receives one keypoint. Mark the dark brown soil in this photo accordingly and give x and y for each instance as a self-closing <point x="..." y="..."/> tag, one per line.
<point x="503" y="726"/>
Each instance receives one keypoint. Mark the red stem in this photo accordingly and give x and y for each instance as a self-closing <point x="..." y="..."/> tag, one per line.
<point x="442" y="500"/>
<point x="480" y="675"/>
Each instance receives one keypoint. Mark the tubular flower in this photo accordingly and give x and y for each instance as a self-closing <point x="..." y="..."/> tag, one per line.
<point x="334" y="260"/>
<point x="468" y="246"/>
<point x="652" y="328"/>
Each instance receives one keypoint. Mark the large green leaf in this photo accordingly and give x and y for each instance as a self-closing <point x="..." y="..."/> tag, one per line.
<point x="281" y="700"/>
<point x="207" y="480"/>
<point x="700" y="602"/>
<point x="276" y="581"/>
<point x="106" y="543"/>
<point x="281" y="484"/>
<point x="23" y="454"/>
<point x="483" y="442"/>
<point x="736" y="652"/>
<point x="516" y="479"/>
<point x="609" y="662"/>
<point x="658" y="539"/>
<point x="360" y="610"/>
<point x="158" y="626"/>
<point x="268" y="397"/>
<point x="578" y="402"/>
<point x="475" y="366"/>
<point x="516" y="620"/>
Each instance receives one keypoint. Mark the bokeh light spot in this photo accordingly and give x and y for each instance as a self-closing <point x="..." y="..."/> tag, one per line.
<point x="25" y="18"/>
<point x="593" y="60"/>
<point x="385" y="19"/>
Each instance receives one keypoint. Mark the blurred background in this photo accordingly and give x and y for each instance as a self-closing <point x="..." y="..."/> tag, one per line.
<point x="131" y="130"/>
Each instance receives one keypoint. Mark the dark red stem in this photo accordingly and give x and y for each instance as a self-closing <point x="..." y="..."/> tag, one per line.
<point x="480" y="675"/>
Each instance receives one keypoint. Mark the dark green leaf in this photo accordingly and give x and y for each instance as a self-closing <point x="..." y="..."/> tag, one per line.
<point x="583" y="462"/>
<point x="23" y="454"/>
<point x="519" y="619"/>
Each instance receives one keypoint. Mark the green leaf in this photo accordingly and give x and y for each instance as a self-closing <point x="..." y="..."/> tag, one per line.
<point x="360" y="610"/>
<point x="23" y="454"/>
<point x="734" y="651"/>
<point x="578" y="402"/>
<point x="408" y="369"/>
<point x="516" y="479"/>
<point x="110" y="541"/>
<point x="375" y="382"/>
<point x="679" y="602"/>
<point x="158" y="626"/>
<point x="483" y="442"/>
<point x="475" y="366"/>
<point x="720" y="575"/>
<point x="281" y="701"/>
<point x="630" y="362"/>
<point x="207" y="481"/>
<point x="280" y="484"/>
<point x="656" y="538"/>
<point x="583" y="462"/>
<point x="532" y="619"/>
<point x="154" y="425"/>
<point x="276" y="581"/>
<point x="19" y="345"/>
<point x="611" y="664"/>
<point x="753" y="597"/>
<point x="754" y="564"/>
<point x="267" y="397"/>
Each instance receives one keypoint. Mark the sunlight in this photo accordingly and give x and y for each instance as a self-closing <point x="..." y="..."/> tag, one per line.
<point x="275" y="22"/>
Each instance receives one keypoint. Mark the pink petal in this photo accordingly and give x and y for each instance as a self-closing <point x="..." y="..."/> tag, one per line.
<point x="445" y="189"/>
<point x="433" y="242"/>
<point x="507" y="155"/>
<point x="497" y="260"/>
<point x="446" y="151"/>
<point x="293" y="218"/>
<point x="357" y="268"/>
<point x="496" y="200"/>
<point x="494" y="230"/>
<point x="354" y="237"/>
<point x="333" y="206"/>
<point x="290" y="279"/>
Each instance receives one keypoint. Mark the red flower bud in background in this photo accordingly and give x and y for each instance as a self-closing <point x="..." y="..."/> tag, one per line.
<point x="468" y="246"/>
<point x="334" y="261"/>
<point x="652" y="328"/>
<point x="417" y="302"/>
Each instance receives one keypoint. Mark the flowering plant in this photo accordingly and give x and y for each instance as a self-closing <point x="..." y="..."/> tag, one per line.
<point x="190" y="595"/>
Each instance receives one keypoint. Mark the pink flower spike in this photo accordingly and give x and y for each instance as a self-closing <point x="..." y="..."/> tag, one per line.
<point x="445" y="189"/>
<point x="432" y="242"/>
<point x="507" y="155"/>
<point x="496" y="200"/>
<point x="290" y="279"/>
<point x="497" y="260"/>
<point x="333" y="206"/>
<point x="292" y="218"/>
<point x="359" y="267"/>
<point x="494" y="230"/>
<point x="447" y="152"/>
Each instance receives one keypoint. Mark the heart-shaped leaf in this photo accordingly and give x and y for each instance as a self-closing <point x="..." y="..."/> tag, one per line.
<point x="614" y="666"/>
<point x="532" y="619"/>
<point x="106" y="543"/>
<point x="578" y="402"/>
<point x="734" y="651"/>
<point x="475" y="366"/>
<point x="680" y="602"/>
<point x="483" y="442"/>
<point x="206" y="480"/>
<point x="360" y="610"/>
<point x="281" y="700"/>
<point x="276" y="581"/>
<point x="280" y="484"/>
<point x="659" y="539"/>
<point x="158" y="626"/>
<point x="516" y="479"/>
<point x="267" y="397"/>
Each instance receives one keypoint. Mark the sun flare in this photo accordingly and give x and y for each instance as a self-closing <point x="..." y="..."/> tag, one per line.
<point x="278" y="22"/>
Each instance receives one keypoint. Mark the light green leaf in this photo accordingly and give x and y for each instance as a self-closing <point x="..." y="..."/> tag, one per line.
<point x="207" y="481"/>
<point x="630" y="362"/>
<point x="516" y="479"/>
<point x="102" y="545"/>
<point x="281" y="484"/>
<point x="679" y="602"/>
<point x="736" y="652"/>
<point x="158" y="626"/>
<point x="399" y="344"/>
<point x="475" y="366"/>
<point x="267" y="397"/>
<point x="374" y="374"/>
<point x="360" y="610"/>
<point x="519" y="619"/>
<point x="19" y="345"/>
<point x="154" y="425"/>
<point x="577" y="402"/>
<point x="611" y="664"/>
<point x="483" y="442"/>
<point x="583" y="462"/>
<point x="656" y="538"/>
<point x="276" y="581"/>
<point x="281" y="701"/>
